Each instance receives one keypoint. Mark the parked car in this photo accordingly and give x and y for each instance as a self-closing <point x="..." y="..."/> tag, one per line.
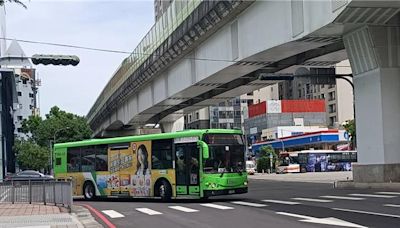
<point x="29" y="175"/>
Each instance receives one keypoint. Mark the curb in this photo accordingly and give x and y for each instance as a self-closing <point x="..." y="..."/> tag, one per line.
<point x="359" y="185"/>
<point x="85" y="217"/>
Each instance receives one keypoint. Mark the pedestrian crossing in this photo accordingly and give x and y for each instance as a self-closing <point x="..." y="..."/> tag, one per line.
<point x="184" y="209"/>
<point x="231" y="205"/>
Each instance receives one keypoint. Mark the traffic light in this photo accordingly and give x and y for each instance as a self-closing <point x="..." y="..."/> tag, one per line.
<point x="55" y="60"/>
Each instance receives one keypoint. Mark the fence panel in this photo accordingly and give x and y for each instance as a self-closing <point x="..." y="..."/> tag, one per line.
<point x="46" y="192"/>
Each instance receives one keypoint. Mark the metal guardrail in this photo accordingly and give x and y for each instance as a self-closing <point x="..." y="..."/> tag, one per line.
<point x="46" y="192"/>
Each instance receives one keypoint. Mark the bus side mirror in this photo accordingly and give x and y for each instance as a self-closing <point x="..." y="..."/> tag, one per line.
<point x="204" y="149"/>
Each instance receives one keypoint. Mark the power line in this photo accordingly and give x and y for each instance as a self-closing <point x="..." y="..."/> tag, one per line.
<point x="106" y="50"/>
<point x="67" y="45"/>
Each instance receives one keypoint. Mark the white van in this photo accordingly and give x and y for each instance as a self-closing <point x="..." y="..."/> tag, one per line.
<point x="250" y="167"/>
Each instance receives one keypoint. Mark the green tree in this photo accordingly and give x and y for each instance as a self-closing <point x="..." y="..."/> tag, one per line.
<point x="58" y="124"/>
<point x="13" y="1"/>
<point x="263" y="162"/>
<point x="350" y="127"/>
<point x="30" y="155"/>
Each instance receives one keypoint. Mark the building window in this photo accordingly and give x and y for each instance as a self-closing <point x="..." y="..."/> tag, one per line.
<point x="250" y="94"/>
<point x="19" y="130"/>
<point x="19" y="94"/>
<point x="332" y="96"/>
<point x="31" y="95"/>
<point x="197" y="116"/>
<point x="332" y="108"/>
<point x="322" y="96"/>
<point x="19" y="118"/>
<point x="332" y="120"/>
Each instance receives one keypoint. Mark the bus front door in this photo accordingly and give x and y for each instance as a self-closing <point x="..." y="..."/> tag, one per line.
<point x="187" y="169"/>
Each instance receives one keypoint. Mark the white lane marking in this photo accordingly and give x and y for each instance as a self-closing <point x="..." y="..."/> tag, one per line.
<point x="327" y="221"/>
<point x="184" y="209"/>
<point x="391" y="205"/>
<point x="148" y="211"/>
<point x="243" y="203"/>
<point x="113" y="214"/>
<point x="366" y="212"/>
<point x="343" y="197"/>
<point x="281" y="202"/>
<point x="388" y="193"/>
<point x="372" y="195"/>
<point x="216" y="206"/>
<point x="313" y="200"/>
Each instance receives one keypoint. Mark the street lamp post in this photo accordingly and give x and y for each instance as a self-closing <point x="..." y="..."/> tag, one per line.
<point x="52" y="147"/>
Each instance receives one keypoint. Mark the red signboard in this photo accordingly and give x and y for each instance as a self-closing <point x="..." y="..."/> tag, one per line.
<point x="303" y="105"/>
<point x="257" y="109"/>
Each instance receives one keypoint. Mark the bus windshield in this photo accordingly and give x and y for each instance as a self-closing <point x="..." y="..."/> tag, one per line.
<point x="226" y="153"/>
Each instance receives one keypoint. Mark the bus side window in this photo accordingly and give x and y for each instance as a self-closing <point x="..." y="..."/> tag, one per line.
<point x="87" y="159"/>
<point x="101" y="158"/>
<point x="161" y="154"/>
<point x="58" y="161"/>
<point x="73" y="159"/>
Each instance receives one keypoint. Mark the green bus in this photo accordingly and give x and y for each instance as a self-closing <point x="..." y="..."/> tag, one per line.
<point x="185" y="164"/>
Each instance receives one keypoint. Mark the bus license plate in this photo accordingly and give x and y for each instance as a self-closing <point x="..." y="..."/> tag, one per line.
<point x="231" y="191"/>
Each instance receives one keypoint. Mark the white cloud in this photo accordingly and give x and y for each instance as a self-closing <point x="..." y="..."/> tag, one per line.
<point x="115" y="25"/>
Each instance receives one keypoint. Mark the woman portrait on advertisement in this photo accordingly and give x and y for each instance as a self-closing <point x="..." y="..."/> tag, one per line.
<point x="141" y="179"/>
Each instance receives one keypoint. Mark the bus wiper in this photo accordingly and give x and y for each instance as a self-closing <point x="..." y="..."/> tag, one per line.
<point x="222" y="174"/>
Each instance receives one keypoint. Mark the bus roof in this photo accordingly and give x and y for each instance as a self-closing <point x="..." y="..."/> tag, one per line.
<point x="179" y="134"/>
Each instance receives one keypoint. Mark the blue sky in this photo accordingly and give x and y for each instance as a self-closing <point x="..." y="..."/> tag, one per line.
<point x="113" y="24"/>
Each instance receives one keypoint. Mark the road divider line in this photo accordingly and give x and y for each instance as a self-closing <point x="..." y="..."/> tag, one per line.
<point x="281" y="202"/>
<point x="313" y="200"/>
<point x="342" y="197"/>
<point x="372" y="195"/>
<point x="113" y="214"/>
<point x="243" y="203"/>
<point x="391" y="205"/>
<point x="216" y="206"/>
<point x="366" y="212"/>
<point x="148" y="211"/>
<point x="184" y="209"/>
<point x="388" y="193"/>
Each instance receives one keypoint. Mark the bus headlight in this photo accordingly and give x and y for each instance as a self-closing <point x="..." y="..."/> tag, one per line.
<point x="245" y="183"/>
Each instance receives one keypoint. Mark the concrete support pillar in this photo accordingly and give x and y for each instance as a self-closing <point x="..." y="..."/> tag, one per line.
<point x="166" y="127"/>
<point x="374" y="54"/>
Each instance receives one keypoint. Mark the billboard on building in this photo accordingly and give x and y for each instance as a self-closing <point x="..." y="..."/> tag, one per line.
<point x="274" y="106"/>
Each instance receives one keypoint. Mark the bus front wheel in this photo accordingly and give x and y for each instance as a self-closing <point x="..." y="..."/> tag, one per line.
<point x="89" y="191"/>
<point x="164" y="190"/>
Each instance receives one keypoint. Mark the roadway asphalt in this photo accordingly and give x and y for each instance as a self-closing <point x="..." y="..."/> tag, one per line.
<point x="287" y="204"/>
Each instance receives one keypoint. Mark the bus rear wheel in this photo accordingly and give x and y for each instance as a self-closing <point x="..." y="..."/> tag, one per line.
<point x="89" y="191"/>
<point x="164" y="190"/>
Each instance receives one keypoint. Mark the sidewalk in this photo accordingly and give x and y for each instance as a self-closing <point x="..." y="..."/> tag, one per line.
<point x="316" y="177"/>
<point x="44" y="216"/>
